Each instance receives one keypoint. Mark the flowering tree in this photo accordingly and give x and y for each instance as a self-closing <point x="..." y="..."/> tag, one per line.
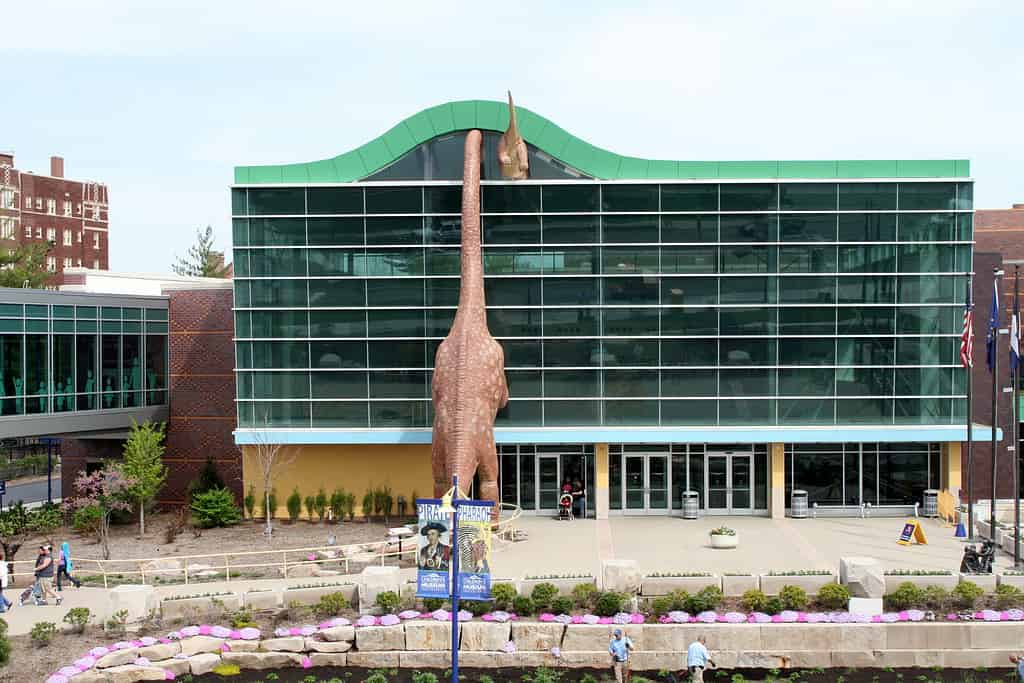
<point x="107" y="490"/>
<point x="17" y="524"/>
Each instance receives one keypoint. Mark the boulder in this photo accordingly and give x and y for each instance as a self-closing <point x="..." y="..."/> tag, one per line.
<point x="196" y="644"/>
<point x="372" y="660"/>
<point x="530" y="635"/>
<point x="129" y="673"/>
<point x="179" y="667"/>
<point x="326" y="646"/>
<point x="336" y="633"/>
<point x="290" y="644"/>
<point x="159" y="651"/>
<point x="376" y="580"/>
<point x="303" y="570"/>
<point x="867" y="606"/>
<point x="90" y="676"/>
<point x="262" y="660"/>
<point x="374" y="638"/>
<point x="199" y="567"/>
<point x="138" y="601"/>
<point x="243" y="645"/>
<point x="864" y="576"/>
<point x="203" y="663"/>
<point x="484" y="636"/>
<point x="421" y="635"/>
<point x="161" y="567"/>
<point x="621" y="576"/>
<point x="117" y="658"/>
<point x="328" y="659"/>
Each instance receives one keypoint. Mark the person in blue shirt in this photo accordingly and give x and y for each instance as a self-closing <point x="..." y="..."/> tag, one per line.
<point x="697" y="659"/>
<point x="1019" y="661"/>
<point x="619" y="648"/>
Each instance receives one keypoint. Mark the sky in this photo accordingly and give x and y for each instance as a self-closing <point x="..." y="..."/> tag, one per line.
<point x="160" y="100"/>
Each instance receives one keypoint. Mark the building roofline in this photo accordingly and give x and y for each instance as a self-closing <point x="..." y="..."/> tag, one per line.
<point x="594" y="161"/>
<point x="155" y="277"/>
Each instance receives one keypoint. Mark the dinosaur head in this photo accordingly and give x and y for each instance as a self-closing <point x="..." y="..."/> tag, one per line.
<point x="512" y="149"/>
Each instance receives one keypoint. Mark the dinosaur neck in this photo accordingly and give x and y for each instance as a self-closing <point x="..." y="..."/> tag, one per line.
<point x="471" y="284"/>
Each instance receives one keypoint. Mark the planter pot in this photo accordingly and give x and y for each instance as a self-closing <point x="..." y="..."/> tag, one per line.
<point x="812" y="583"/>
<point x="262" y="600"/>
<point x="1011" y="580"/>
<point x="311" y="596"/>
<point x="663" y="585"/>
<point x="987" y="582"/>
<point x="738" y="585"/>
<point x="948" y="582"/>
<point x="723" y="541"/>
<point x="564" y="586"/>
<point x="199" y="608"/>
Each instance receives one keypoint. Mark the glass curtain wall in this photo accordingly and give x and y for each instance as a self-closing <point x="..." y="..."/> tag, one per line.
<point x="64" y="358"/>
<point x="616" y="304"/>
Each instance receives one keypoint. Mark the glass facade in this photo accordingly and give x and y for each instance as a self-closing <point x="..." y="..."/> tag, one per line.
<point x="64" y="358"/>
<point x="617" y="304"/>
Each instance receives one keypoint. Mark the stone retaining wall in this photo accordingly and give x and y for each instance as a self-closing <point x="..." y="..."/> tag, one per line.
<point x="425" y="643"/>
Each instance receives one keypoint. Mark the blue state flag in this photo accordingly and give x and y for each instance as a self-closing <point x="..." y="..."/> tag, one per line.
<point x="991" y="341"/>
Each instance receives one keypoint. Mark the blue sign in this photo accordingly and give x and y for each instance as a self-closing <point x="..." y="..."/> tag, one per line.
<point x="3" y="487"/>
<point x="434" y="550"/>
<point x="475" y="549"/>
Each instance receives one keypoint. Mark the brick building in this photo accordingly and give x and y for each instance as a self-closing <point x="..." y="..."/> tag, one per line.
<point x="72" y="215"/>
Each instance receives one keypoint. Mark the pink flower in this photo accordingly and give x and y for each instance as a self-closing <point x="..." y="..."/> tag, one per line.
<point x="146" y="641"/>
<point x="57" y="678"/>
<point x="168" y="675"/>
<point x="366" y="620"/>
<point x="735" y="617"/>
<point x="99" y="651"/>
<point x="1014" y="615"/>
<point x="788" y="616"/>
<point x="141" y="661"/>
<point x="220" y="632"/>
<point x="951" y="617"/>
<point x="205" y="630"/>
<point x="638" y="618"/>
<point x="509" y="648"/>
<point x="591" y="619"/>
<point x="307" y="630"/>
<point x="224" y="647"/>
<point x="664" y="620"/>
<point x="164" y="641"/>
<point x="577" y="619"/>
<point x="990" y="615"/>
<point x="915" y="615"/>
<point x="249" y="633"/>
<point x="235" y="635"/>
<point x="389" y="620"/>
<point x="605" y="620"/>
<point x="189" y="631"/>
<point x="295" y="631"/>
<point x="137" y="643"/>
<point x="307" y="663"/>
<point x="556" y="651"/>
<point x="69" y="671"/>
<point x="546" y="617"/>
<point x="890" y="617"/>
<point x="409" y="614"/>
<point x="340" y="621"/>
<point x="761" y="618"/>
<point x="488" y="617"/>
<point x="708" y="617"/>
<point x="465" y="616"/>
<point x="311" y="557"/>
<point x="776" y="618"/>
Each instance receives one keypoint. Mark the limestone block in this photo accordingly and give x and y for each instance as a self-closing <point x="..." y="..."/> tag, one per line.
<point x="671" y="637"/>
<point x="896" y="659"/>
<point x="189" y="609"/>
<point x="967" y="659"/>
<point x="725" y="659"/>
<point x="925" y="636"/>
<point x="178" y="667"/>
<point x="584" y="637"/>
<point x="262" y="600"/>
<point x="328" y="658"/>
<point x="621" y="576"/>
<point x="129" y="673"/>
<point x="138" y="601"/>
<point x="584" y="659"/>
<point x="854" y="659"/>
<point x="864" y="576"/>
<point x="375" y="580"/>
<point x="159" y="651"/>
<point x="326" y="646"/>
<point x="485" y="660"/>
<point x="994" y="636"/>
<point x="374" y="638"/>
<point x="117" y="658"/>
<point x="262" y="660"/>
<point x="536" y="636"/>
<point x="663" y="585"/>
<point x="244" y="645"/>
<point x="866" y="606"/>
<point x="336" y="633"/>
<point x="161" y="567"/>
<point x="986" y="581"/>
<point x="289" y="644"/>
<point x="771" y="585"/>
<point x="311" y="596"/>
<point x="732" y="637"/>
<point x="859" y="637"/>
<point x="807" y="659"/>
<point x="197" y="644"/>
<point x="373" y="660"/>
<point x="655" y="660"/>
<point x="758" y="660"/>
<point x="428" y="634"/>
<point x="90" y="676"/>
<point x="795" y="637"/>
<point x="738" y="585"/>
<point x="484" y="636"/>
<point x="426" y="660"/>
<point x="1017" y="581"/>
<point x="524" y="659"/>
<point x="203" y="663"/>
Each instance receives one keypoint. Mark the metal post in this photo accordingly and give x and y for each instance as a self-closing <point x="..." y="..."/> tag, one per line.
<point x="1015" y="337"/>
<point x="970" y="425"/>
<point x="455" y="580"/>
<point x="49" y="471"/>
<point x="995" y="405"/>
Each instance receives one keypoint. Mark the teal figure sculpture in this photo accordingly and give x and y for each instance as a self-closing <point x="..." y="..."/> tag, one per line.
<point x="42" y="397"/>
<point x="136" y="382"/>
<point x="126" y="387"/>
<point x="58" y="398"/>
<point x="3" y="391"/>
<point x="108" y="394"/>
<point x="89" y="386"/>
<point x="19" y="401"/>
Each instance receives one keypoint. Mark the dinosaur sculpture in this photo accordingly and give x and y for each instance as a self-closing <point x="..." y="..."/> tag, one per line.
<point x="469" y="385"/>
<point x="515" y="165"/>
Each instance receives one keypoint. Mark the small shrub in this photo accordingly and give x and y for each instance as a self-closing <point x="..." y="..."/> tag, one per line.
<point x="320" y="504"/>
<point x="310" y="503"/>
<point x="177" y="525"/>
<point x="661" y="606"/>
<point x="227" y="670"/>
<point x="367" y="506"/>
<point x="774" y="605"/>
<point x="5" y="645"/>
<point x="503" y="594"/>
<point x="608" y="603"/>
<point x="678" y="598"/>
<point x="388" y="601"/>
<point x="475" y="607"/>
<point x="86" y="520"/>
<point x="78" y="618"/>
<point x="330" y="605"/>
<point x="376" y="677"/>
<point x="432" y="604"/>
<point x="1008" y="596"/>
<point x="834" y="596"/>
<point x="117" y="624"/>
<point x="562" y="604"/>
<point x="706" y="599"/>
<point x="484" y="678"/>
<point x="793" y="597"/>
<point x="207" y="479"/>
<point x="543" y="594"/>
<point x="42" y="633"/>
<point x="294" y="505"/>
<point x="250" y="501"/>
<point x="215" y="508"/>
<point x="424" y="677"/>
<point x="584" y="594"/>
<point x="543" y="674"/>
<point x="523" y="606"/>
<point x="905" y="596"/>
<point x="754" y="600"/>
<point x="241" y="619"/>
<point x="966" y="594"/>
<point x="337" y="505"/>
<point x="350" y="506"/>
<point x="935" y="597"/>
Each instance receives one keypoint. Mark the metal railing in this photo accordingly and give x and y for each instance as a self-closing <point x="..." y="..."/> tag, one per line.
<point x="247" y="564"/>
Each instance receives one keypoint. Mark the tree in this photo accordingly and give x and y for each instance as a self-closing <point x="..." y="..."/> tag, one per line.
<point x="270" y="458"/>
<point x="17" y="525"/>
<point x="202" y="260"/>
<point x="25" y="263"/>
<point x="106" y="489"/>
<point x="207" y="479"/>
<point x="144" y="465"/>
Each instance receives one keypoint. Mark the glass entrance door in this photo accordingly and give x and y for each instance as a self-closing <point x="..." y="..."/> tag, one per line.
<point x="549" y="482"/>
<point x="646" y="484"/>
<point x="729" y="483"/>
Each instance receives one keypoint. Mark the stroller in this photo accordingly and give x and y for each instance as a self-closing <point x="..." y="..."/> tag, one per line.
<point x="565" y="507"/>
<point x="32" y="592"/>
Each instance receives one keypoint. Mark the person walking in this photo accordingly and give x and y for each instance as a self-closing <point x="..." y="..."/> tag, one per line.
<point x="697" y="659"/>
<point x="64" y="567"/>
<point x="44" y="576"/>
<point x="619" y="649"/>
<point x="5" y="604"/>
<point x="1019" y="661"/>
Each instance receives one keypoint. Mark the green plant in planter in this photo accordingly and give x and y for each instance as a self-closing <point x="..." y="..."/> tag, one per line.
<point x="250" y="501"/>
<point x="543" y="594"/>
<point x="42" y="633"/>
<point x="935" y="597"/>
<point x="704" y="600"/>
<point x="320" y="504"/>
<point x="774" y="605"/>
<point x="562" y="604"/>
<point x="608" y="603"/>
<point x="330" y="605"/>
<point x="834" y="596"/>
<point x="503" y="594"/>
<point x="432" y="604"/>
<point x="294" y="505"/>
<point x="905" y="596"/>
<point x="722" y="531"/>
<point x="754" y="600"/>
<point x="966" y="594"/>
<point x="793" y="597"/>
<point x="389" y="601"/>
<point x="1008" y="596"/>
<point x="78" y="618"/>
<point x="523" y="606"/>
<point x="475" y="607"/>
<point x="310" y="503"/>
<point x="583" y="594"/>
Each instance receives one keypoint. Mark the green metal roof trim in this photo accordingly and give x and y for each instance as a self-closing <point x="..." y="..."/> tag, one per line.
<point x="570" y="150"/>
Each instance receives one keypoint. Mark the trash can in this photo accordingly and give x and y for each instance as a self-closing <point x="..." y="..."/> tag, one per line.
<point x="931" y="503"/>
<point x="798" y="505"/>
<point x="691" y="502"/>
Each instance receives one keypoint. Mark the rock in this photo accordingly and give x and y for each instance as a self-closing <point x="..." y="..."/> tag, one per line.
<point x="138" y="601"/>
<point x="528" y="635"/>
<point x="262" y="660"/>
<point x="336" y="633"/>
<point x="198" y="567"/>
<point x="372" y="660"/>
<point x="159" y="651"/>
<point x="178" y="666"/>
<point x="425" y="660"/>
<point x="90" y="676"/>
<point x="260" y="600"/>
<point x="328" y="659"/>
<point x="373" y="638"/>
<point x="161" y="567"/>
<point x="196" y="644"/>
<point x="325" y="572"/>
<point x="129" y="673"/>
<point x="376" y="580"/>
<point x="243" y="645"/>
<point x="203" y="663"/>
<point x="621" y="576"/>
<point x="117" y="658"/>
<point x="325" y="646"/>
<point x="206" y="573"/>
<point x="864" y="576"/>
<point x="290" y="644"/>
<point x="326" y="554"/>
<point x="484" y="636"/>
<point x="421" y="635"/>
<point x="866" y="606"/>
<point x="303" y="570"/>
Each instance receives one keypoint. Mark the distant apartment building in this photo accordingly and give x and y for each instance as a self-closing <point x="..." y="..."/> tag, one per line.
<point x="72" y="215"/>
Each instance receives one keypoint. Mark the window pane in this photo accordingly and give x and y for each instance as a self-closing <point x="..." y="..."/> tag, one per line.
<point x="749" y="228"/>
<point x="278" y="262"/>
<point x="398" y="384"/>
<point x="630" y="290"/>
<point x="403" y="292"/>
<point x="86" y="370"/>
<point x="690" y="413"/>
<point x="748" y="290"/>
<point x="701" y="352"/>
<point x="807" y="290"/>
<point x="334" y="200"/>
<point x="570" y="322"/>
<point x="239" y="202"/>
<point x="397" y="354"/>
<point x="512" y="291"/>
<point x="689" y="259"/>
<point x="443" y="229"/>
<point x="746" y="352"/>
<point x="511" y="322"/>
<point x="631" y="412"/>
<point x="808" y="227"/>
<point x="280" y="384"/>
<point x="559" y="198"/>
<point x="930" y="289"/>
<point x="442" y="199"/>
<point x="394" y="200"/>
<point x="929" y="319"/>
<point x="689" y="321"/>
<point x="747" y="382"/>
<point x="807" y="196"/>
<point x="689" y="290"/>
<point x="570" y="291"/>
<point x="266" y="201"/>
<point x="868" y="289"/>
<point x="571" y="353"/>
<point x="687" y="383"/>
<point x="509" y="261"/>
<point x="281" y="413"/>
<point x="749" y="197"/>
<point x="521" y="354"/>
<point x="634" y="229"/>
<point x="868" y="227"/>
<point x="742" y="321"/>
<point x="280" y="355"/>
<point x="629" y="321"/>
<point x="865" y="258"/>
<point x="571" y="383"/>
<point x="924" y="382"/>
<point x="927" y="227"/>
<point x="867" y="196"/>
<point x="807" y="351"/>
<point x="335" y="324"/>
<point x="867" y="320"/>
<point x="272" y="293"/>
<point x="338" y="354"/>
<point x="807" y="259"/>
<point x="581" y="260"/>
<point x="628" y="260"/>
<point x="744" y="259"/>
<point x="398" y="413"/>
<point x="239" y="232"/>
<point x="630" y="352"/>
<point x="348" y="292"/>
<point x="965" y="196"/>
<point x="865" y="410"/>
<point x="865" y="351"/>
<point x="266" y="232"/>
<point x="745" y="412"/>
<point x="557" y="413"/>
<point x="511" y="229"/>
<point x="689" y="197"/>
<point x="570" y="229"/>
<point x="927" y="350"/>
<point x="340" y="414"/>
<point x="395" y="323"/>
<point x="525" y="383"/>
<point x="629" y="197"/>
<point x="689" y="228"/>
<point x="442" y="291"/>
<point x="806" y="381"/>
<point x="511" y="199"/>
<point x="924" y="258"/>
<point x="920" y="196"/>
<point x="390" y="262"/>
<point x="394" y="230"/>
<point x="439" y="322"/>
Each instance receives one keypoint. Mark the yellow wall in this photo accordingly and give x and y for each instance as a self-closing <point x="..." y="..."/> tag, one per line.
<point x="356" y="469"/>
<point x="601" y="480"/>
<point x="777" y="491"/>
<point x="951" y="476"/>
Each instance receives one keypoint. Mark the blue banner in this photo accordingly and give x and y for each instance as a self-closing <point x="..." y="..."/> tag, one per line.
<point x="474" y="539"/>
<point x="434" y="550"/>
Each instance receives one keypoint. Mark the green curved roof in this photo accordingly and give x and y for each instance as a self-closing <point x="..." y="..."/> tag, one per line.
<point x="572" y="151"/>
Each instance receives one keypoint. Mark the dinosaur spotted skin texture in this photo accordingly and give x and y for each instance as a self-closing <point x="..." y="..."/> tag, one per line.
<point x="469" y="385"/>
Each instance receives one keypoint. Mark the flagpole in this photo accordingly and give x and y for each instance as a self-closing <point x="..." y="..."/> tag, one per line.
<point x="969" y="366"/>
<point x="1015" y="359"/>
<point x="994" y="331"/>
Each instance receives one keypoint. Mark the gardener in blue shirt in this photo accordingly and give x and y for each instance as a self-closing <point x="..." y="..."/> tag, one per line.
<point x="697" y="659"/>
<point x="619" y="648"/>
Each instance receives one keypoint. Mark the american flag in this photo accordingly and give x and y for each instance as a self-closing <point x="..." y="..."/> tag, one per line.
<point x="967" y="339"/>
